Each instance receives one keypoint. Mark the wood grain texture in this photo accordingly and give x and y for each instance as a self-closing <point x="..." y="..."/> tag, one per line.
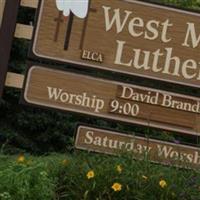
<point x="96" y="39"/>
<point x="14" y="80"/>
<point x="110" y="142"/>
<point x="2" y="5"/>
<point x="74" y="86"/>
<point x="29" y="3"/>
<point x="23" y="31"/>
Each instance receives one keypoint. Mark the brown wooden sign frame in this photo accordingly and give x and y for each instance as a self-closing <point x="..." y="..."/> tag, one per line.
<point x="151" y="115"/>
<point x="100" y="65"/>
<point x="101" y="140"/>
<point x="7" y="31"/>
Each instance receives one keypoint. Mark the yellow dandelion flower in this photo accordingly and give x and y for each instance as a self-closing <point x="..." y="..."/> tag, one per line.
<point x="117" y="187"/>
<point x="21" y="159"/>
<point x="119" y="168"/>
<point x="163" y="183"/>
<point x="90" y="174"/>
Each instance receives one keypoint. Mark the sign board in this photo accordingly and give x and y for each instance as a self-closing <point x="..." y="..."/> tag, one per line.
<point x="109" y="142"/>
<point x="112" y="100"/>
<point x="126" y="36"/>
<point x="8" y="17"/>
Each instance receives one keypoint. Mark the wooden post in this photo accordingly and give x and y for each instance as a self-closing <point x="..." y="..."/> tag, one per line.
<point x="2" y="6"/>
<point x="6" y="36"/>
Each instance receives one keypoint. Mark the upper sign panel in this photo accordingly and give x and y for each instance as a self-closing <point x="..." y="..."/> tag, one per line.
<point x="126" y="36"/>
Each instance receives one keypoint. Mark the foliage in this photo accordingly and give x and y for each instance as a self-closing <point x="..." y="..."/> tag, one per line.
<point x="38" y="131"/>
<point x="27" y="179"/>
<point x="193" y="4"/>
<point x="90" y="176"/>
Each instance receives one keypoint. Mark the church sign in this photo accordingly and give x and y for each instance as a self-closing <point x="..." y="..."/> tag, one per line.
<point x="112" y="100"/>
<point x="109" y="142"/>
<point x="126" y="36"/>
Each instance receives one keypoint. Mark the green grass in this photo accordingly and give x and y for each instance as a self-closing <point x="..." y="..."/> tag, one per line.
<point x="65" y="177"/>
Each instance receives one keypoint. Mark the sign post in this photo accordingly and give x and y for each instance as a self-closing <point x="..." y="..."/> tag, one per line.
<point x="8" y="17"/>
<point x="2" y="6"/>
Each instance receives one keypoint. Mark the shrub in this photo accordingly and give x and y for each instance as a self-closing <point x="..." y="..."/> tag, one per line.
<point x="27" y="178"/>
<point x="94" y="176"/>
<point x="125" y="178"/>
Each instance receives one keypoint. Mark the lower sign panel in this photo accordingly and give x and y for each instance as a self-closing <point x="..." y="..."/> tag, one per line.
<point x="108" y="142"/>
<point x="112" y="100"/>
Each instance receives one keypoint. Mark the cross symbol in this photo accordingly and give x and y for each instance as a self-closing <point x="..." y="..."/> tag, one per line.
<point x="69" y="29"/>
<point x="59" y="20"/>
<point x="84" y="28"/>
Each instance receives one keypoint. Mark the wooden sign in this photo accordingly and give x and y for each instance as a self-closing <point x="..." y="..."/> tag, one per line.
<point x="109" y="142"/>
<point x="8" y="17"/>
<point x="112" y="100"/>
<point x="127" y="36"/>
